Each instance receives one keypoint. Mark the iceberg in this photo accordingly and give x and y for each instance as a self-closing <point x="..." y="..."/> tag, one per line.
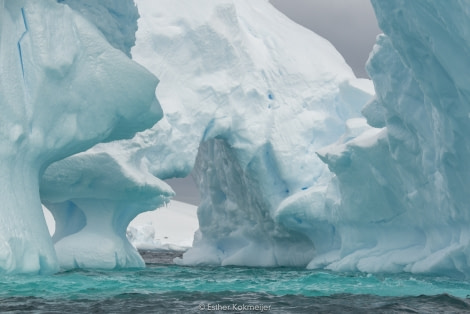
<point x="93" y="197"/>
<point x="249" y="97"/>
<point x="247" y="128"/>
<point x="297" y="162"/>
<point x="64" y="88"/>
<point x="402" y="182"/>
<point x="266" y="104"/>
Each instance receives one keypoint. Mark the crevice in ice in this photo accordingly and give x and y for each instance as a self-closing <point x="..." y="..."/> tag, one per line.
<point x="20" y="52"/>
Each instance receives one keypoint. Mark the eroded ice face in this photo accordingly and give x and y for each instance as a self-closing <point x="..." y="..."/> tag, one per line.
<point x="64" y="88"/>
<point x="398" y="199"/>
<point x="404" y="189"/>
<point x="253" y="96"/>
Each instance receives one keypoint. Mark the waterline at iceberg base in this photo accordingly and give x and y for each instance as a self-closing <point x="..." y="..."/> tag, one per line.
<point x="297" y="164"/>
<point x="320" y="192"/>
<point x="161" y="288"/>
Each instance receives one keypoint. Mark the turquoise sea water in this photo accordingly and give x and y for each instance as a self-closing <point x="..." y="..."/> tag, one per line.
<point x="166" y="288"/>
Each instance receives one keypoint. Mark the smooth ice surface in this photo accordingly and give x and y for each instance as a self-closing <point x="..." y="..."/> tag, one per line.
<point x="252" y="95"/>
<point x="93" y="196"/>
<point x="404" y="204"/>
<point x="116" y="19"/>
<point x="63" y="89"/>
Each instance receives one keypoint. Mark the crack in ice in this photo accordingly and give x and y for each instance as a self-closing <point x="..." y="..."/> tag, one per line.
<point x="21" y="38"/>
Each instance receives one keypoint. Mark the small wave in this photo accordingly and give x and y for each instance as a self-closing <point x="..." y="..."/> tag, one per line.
<point x="193" y="302"/>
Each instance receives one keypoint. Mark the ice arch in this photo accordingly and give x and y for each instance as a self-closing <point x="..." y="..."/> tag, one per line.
<point x="95" y="194"/>
<point x="394" y="196"/>
<point x="93" y="197"/>
<point x="243" y="112"/>
<point x="64" y="88"/>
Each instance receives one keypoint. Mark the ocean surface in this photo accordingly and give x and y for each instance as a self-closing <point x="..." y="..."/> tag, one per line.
<point x="167" y="288"/>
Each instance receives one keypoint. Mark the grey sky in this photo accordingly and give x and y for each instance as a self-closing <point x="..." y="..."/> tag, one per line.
<point x="350" y="25"/>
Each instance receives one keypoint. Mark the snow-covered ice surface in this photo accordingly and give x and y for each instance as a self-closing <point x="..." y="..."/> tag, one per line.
<point x="63" y="89"/>
<point x="252" y="95"/>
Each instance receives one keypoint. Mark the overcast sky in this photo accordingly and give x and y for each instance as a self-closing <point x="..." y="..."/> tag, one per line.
<point x="350" y="25"/>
